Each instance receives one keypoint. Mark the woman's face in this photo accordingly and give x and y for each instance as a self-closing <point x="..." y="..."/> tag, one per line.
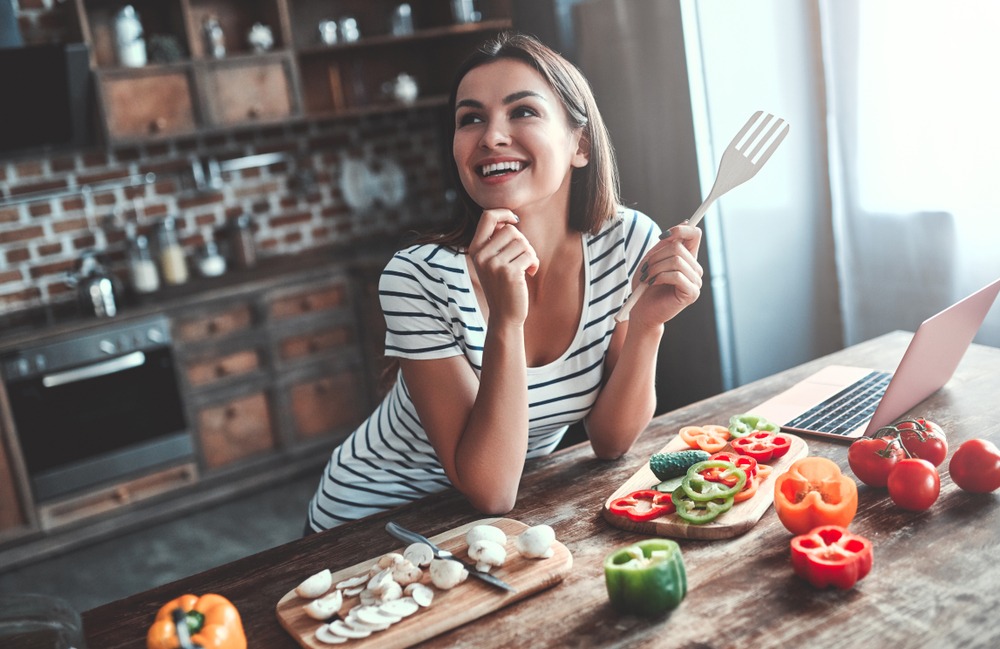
<point x="513" y="146"/>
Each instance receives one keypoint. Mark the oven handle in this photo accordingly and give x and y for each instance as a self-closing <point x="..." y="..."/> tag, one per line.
<point x="127" y="362"/>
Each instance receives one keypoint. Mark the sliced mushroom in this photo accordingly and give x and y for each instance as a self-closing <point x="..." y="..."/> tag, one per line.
<point x="324" y="635"/>
<point x="355" y="590"/>
<point x="536" y="542"/>
<point x="487" y="532"/>
<point x="352" y="582"/>
<point x="368" y="597"/>
<point x="405" y="573"/>
<point x="392" y="591"/>
<point x="325" y="607"/>
<point x="380" y="581"/>
<point x="316" y="585"/>
<point x="446" y="574"/>
<point x="341" y="628"/>
<point x="419" y="554"/>
<point x="487" y="554"/>
<point x="421" y="594"/>
<point x="389" y="560"/>
<point x="400" y="607"/>
<point x="374" y="616"/>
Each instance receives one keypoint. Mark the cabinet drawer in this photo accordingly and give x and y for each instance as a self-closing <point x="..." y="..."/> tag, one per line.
<point x="214" y="325"/>
<point x="246" y="92"/>
<point x="223" y="367"/>
<point x="309" y="301"/>
<point x="235" y="430"/>
<point x="144" y="106"/>
<point x="296" y="347"/>
<point x="327" y="404"/>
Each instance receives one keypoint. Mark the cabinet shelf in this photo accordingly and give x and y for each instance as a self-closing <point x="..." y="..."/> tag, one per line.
<point x="296" y="81"/>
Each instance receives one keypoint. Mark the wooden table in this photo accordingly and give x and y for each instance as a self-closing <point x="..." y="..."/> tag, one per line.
<point x="935" y="582"/>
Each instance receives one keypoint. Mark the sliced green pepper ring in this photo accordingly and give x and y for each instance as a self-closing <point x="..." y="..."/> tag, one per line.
<point x="698" y="487"/>
<point x="699" y="511"/>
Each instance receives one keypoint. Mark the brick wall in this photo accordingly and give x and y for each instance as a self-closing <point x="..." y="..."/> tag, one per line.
<point x="296" y="205"/>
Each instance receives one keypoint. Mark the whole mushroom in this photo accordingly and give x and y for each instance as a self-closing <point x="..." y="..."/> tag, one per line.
<point x="446" y="574"/>
<point x="536" y="542"/>
<point x="487" y="554"/>
<point x="487" y="532"/>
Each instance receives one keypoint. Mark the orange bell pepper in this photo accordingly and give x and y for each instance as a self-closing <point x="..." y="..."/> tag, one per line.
<point x="709" y="438"/>
<point x="813" y="492"/>
<point x="213" y="622"/>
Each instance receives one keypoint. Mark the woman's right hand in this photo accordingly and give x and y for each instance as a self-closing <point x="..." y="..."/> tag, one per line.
<point x="502" y="258"/>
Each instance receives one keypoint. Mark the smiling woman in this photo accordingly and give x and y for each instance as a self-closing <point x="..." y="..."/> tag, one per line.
<point x="503" y="326"/>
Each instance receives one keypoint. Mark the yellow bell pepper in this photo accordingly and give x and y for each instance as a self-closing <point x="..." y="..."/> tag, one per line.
<point x="213" y="621"/>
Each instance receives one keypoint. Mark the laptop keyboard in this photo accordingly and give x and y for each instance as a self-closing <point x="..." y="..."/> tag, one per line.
<point x="846" y="410"/>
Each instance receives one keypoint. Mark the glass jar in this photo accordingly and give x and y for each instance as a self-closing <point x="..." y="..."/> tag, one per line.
<point x="242" y="248"/>
<point x="172" y="260"/>
<point x="142" y="271"/>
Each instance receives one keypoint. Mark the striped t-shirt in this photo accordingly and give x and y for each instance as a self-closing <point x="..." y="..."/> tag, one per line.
<point x="431" y="312"/>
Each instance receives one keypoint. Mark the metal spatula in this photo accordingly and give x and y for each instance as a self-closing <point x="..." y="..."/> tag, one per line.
<point x="740" y="162"/>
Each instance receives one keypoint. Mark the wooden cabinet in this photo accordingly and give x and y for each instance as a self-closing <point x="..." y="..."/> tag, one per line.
<point x="203" y="74"/>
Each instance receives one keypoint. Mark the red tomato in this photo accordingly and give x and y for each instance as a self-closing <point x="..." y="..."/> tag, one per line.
<point x="923" y="439"/>
<point x="914" y="484"/>
<point x="871" y="459"/>
<point x="975" y="466"/>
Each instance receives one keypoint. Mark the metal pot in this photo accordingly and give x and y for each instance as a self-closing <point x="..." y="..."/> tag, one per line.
<point x="96" y="288"/>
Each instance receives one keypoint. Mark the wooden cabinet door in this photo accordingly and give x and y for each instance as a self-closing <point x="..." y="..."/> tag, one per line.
<point x="243" y="91"/>
<point x="147" y="105"/>
<point x="235" y="430"/>
<point x="328" y="404"/>
<point x="11" y="512"/>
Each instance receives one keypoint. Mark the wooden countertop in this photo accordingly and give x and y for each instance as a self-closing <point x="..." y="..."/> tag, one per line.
<point x="934" y="581"/>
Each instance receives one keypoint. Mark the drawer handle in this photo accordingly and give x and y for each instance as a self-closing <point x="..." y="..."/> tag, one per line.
<point x="221" y="371"/>
<point x="313" y="346"/>
<point x="231" y="412"/>
<point x="157" y="125"/>
<point x="253" y="112"/>
<point x="305" y="304"/>
<point x="212" y="327"/>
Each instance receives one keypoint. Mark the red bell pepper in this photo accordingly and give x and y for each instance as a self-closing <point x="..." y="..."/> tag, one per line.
<point x="763" y="446"/>
<point x="831" y="556"/>
<point x="745" y="462"/>
<point x="643" y="505"/>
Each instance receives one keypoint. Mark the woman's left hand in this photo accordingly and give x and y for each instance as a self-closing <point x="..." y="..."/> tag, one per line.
<point x="674" y="276"/>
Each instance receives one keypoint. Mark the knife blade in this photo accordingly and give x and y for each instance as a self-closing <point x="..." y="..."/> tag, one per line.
<point x="403" y="534"/>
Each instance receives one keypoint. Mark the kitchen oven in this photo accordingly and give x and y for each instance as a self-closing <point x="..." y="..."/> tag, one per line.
<point x="97" y="407"/>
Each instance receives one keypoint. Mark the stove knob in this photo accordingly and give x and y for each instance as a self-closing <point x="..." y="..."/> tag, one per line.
<point x="107" y="346"/>
<point x="154" y="335"/>
<point x="40" y="362"/>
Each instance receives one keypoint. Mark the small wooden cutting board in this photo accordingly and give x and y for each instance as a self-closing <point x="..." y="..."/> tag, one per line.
<point x="468" y="601"/>
<point x="738" y="520"/>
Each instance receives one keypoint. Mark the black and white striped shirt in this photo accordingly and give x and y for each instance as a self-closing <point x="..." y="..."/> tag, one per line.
<point x="431" y="312"/>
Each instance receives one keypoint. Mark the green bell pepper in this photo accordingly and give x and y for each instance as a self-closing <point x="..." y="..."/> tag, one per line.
<point x="699" y="511"/>
<point x="646" y="578"/>
<point x="743" y="425"/>
<point x="728" y="480"/>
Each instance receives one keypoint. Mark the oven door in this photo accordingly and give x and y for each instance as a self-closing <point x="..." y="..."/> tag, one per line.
<point x="99" y="422"/>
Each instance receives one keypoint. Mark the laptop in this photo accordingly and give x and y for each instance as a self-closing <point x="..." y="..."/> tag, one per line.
<point x="847" y="402"/>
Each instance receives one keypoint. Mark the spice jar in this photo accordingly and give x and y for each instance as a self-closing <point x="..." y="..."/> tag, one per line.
<point x="241" y="244"/>
<point x="210" y="262"/>
<point x="143" y="275"/>
<point x="172" y="254"/>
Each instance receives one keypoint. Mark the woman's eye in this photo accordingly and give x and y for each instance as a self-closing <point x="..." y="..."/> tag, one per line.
<point x="468" y="118"/>
<point x="523" y="111"/>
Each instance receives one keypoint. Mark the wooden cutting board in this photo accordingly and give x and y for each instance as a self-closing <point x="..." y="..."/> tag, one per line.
<point x="466" y="602"/>
<point x="736" y="521"/>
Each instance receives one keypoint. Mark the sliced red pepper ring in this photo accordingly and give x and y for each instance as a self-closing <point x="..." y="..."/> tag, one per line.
<point x="708" y="438"/>
<point x="831" y="556"/>
<point x="745" y="462"/>
<point x="643" y="505"/>
<point x="763" y="446"/>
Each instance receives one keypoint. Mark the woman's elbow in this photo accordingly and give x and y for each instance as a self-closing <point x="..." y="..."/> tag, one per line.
<point x="493" y="503"/>
<point x="611" y="452"/>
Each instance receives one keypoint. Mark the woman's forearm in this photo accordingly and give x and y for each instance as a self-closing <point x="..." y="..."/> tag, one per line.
<point x="628" y="400"/>
<point x="489" y="457"/>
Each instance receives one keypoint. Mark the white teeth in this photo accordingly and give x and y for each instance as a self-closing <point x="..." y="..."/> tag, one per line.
<point x="512" y="165"/>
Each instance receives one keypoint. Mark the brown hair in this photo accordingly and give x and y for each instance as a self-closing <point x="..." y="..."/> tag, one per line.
<point x="594" y="188"/>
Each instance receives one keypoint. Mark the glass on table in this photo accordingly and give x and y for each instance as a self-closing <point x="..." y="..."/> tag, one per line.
<point x="31" y="621"/>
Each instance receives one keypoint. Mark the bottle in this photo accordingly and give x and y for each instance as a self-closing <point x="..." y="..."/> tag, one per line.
<point x="143" y="275"/>
<point x="215" y="39"/>
<point x="130" y="43"/>
<point x="210" y="262"/>
<point x="172" y="254"/>
<point x="241" y="243"/>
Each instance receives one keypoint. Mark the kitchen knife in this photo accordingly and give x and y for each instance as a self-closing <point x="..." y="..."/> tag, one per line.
<point x="404" y="534"/>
